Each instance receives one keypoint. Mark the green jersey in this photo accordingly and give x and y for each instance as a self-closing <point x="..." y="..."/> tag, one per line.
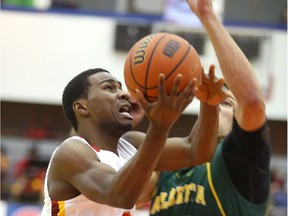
<point x="205" y="190"/>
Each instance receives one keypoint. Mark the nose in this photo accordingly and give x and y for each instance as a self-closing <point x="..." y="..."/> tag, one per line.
<point x="124" y="95"/>
<point x="219" y="107"/>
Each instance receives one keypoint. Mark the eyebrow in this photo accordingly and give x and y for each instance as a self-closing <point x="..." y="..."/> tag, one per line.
<point x="232" y="97"/>
<point x="111" y="81"/>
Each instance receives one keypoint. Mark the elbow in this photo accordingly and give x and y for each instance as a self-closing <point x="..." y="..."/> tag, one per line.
<point x="119" y="200"/>
<point x="207" y="158"/>
<point x="124" y="202"/>
<point x="252" y="114"/>
<point x="203" y="148"/>
<point x="127" y="205"/>
<point x="255" y="99"/>
<point x="255" y="106"/>
<point x="121" y="203"/>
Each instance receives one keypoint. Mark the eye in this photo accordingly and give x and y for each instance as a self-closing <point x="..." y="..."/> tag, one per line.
<point x="111" y="86"/>
<point x="108" y="86"/>
<point x="227" y="103"/>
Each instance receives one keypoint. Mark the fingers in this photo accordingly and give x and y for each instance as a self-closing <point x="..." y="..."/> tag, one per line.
<point x="161" y="86"/>
<point x="220" y="82"/>
<point x="141" y="99"/>
<point x="188" y="92"/>
<point x="174" y="89"/>
<point x="211" y="72"/>
<point x="176" y="85"/>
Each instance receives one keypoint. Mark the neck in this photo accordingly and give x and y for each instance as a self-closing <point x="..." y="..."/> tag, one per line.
<point x="101" y="140"/>
<point x="103" y="136"/>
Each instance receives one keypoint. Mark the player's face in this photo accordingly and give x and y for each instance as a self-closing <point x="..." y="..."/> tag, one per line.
<point x="108" y="104"/>
<point x="226" y="112"/>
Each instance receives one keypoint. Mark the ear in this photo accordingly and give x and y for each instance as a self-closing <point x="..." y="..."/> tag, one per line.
<point x="80" y="108"/>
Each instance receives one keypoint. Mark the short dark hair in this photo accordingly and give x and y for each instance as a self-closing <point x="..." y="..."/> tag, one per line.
<point x="77" y="88"/>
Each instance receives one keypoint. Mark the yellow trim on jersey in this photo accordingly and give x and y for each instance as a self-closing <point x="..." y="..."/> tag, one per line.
<point x="213" y="189"/>
<point x="61" y="208"/>
<point x="267" y="210"/>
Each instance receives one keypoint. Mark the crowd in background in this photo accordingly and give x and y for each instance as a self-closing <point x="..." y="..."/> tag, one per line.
<point x="24" y="181"/>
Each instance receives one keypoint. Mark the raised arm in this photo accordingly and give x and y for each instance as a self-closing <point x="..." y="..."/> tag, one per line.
<point x="246" y="150"/>
<point x="236" y="69"/>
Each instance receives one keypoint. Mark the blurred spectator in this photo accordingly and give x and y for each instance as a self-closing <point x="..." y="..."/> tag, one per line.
<point x="29" y="178"/>
<point x="23" y="164"/>
<point x="5" y="162"/>
<point x="278" y="193"/>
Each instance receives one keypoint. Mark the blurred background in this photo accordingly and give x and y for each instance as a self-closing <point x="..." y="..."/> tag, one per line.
<point x="44" y="43"/>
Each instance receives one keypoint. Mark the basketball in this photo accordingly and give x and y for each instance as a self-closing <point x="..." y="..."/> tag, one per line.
<point x="160" y="53"/>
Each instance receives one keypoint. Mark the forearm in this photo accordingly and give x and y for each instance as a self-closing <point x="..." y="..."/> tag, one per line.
<point x="135" y="174"/>
<point x="203" y="137"/>
<point x="197" y="147"/>
<point x="236" y="69"/>
<point x="147" y="193"/>
<point x="238" y="74"/>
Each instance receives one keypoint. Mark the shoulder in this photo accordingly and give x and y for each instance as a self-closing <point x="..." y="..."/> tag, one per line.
<point x="72" y="144"/>
<point x="134" y="137"/>
<point x="72" y="156"/>
<point x="72" y="150"/>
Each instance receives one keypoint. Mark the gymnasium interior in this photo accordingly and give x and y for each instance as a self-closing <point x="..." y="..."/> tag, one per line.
<point x="44" y="43"/>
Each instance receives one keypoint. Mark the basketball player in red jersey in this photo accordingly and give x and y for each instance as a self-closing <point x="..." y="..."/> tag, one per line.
<point x="103" y="169"/>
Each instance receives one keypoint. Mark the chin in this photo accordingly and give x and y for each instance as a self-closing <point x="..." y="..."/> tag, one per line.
<point x="126" y="127"/>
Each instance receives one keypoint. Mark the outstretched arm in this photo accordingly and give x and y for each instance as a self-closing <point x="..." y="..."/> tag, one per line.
<point x="236" y="69"/>
<point x="246" y="150"/>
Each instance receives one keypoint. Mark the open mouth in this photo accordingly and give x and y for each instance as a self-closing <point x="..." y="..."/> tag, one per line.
<point x="125" y="110"/>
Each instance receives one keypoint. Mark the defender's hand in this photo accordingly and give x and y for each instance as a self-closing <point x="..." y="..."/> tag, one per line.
<point x="202" y="8"/>
<point x="211" y="89"/>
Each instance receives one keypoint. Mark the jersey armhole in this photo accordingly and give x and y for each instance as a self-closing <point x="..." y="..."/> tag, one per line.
<point x="211" y="185"/>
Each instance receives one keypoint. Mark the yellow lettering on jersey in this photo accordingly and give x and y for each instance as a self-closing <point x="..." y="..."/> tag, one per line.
<point x="188" y="189"/>
<point x="155" y="205"/>
<point x="200" y="195"/>
<point x="179" y="196"/>
<point x="164" y="203"/>
<point x="171" y="199"/>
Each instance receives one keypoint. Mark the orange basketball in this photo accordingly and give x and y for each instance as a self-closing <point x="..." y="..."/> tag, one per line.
<point x="160" y="53"/>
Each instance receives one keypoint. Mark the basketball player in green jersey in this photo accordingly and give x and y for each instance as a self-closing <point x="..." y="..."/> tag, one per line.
<point x="236" y="181"/>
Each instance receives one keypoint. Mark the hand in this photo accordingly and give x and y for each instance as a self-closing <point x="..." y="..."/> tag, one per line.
<point x="211" y="89"/>
<point x="167" y="109"/>
<point x="202" y="8"/>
